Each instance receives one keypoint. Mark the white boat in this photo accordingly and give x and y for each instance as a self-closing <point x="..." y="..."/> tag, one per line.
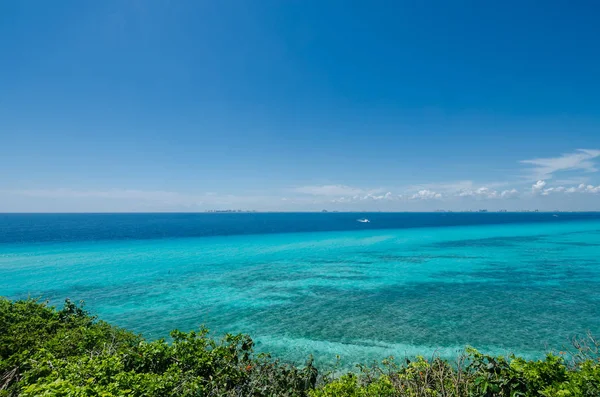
<point x="364" y="220"/>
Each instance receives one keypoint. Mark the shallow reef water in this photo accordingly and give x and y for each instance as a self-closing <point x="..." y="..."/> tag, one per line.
<point x="399" y="285"/>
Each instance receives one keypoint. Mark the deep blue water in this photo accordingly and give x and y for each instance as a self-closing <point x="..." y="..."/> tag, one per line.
<point x="321" y="283"/>
<point x="32" y="228"/>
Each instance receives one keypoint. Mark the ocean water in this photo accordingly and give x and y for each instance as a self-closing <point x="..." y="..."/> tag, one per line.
<point x="322" y="284"/>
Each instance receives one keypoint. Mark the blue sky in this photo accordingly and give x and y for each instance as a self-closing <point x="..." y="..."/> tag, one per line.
<point x="299" y="105"/>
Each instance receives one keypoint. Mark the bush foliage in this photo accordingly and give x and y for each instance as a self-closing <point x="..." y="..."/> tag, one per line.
<point x="68" y="352"/>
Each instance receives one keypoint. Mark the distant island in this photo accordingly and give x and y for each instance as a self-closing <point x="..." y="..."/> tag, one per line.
<point x="229" y="211"/>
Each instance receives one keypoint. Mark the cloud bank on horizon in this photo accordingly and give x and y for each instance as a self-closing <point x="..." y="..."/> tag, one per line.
<point x="545" y="168"/>
<point x="523" y="192"/>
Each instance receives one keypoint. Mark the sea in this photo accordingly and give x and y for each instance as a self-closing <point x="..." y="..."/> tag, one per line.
<point x="321" y="284"/>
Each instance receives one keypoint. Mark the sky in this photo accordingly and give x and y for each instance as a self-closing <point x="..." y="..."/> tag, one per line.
<point x="306" y="105"/>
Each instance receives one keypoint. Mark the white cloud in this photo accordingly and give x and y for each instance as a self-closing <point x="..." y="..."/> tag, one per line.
<point x="538" y="187"/>
<point x="480" y="193"/>
<point x="485" y="193"/>
<point x="582" y="159"/>
<point x="369" y="196"/>
<point x="512" y="193"/>
<point x="588" y="188"/>
<point x="426" y="194"/>
<point x="550" y="190"/>
<point x="462" y="189"/>
<point x="387" y="196"/>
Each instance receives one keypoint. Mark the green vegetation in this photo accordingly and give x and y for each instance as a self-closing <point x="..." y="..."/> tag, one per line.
<point x="67" y="352"/>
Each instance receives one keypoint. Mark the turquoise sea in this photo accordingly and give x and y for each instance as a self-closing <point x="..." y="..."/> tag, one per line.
<point x="321" y="284"/>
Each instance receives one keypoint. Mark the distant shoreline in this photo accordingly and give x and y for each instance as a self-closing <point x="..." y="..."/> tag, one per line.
<point x="306" y="212"/>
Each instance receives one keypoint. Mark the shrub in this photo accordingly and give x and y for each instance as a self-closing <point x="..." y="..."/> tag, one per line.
<point x="68" y="352"/>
